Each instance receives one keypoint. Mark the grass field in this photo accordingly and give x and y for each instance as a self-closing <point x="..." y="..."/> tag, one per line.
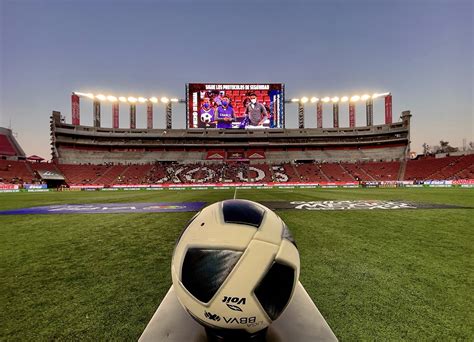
<point x="374" y="275"/>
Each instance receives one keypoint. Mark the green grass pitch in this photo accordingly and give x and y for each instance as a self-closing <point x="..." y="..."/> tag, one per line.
<point x="374" y="275"/>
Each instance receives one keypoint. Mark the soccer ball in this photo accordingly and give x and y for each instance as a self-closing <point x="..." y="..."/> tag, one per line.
<point x="235" y="266"/>
<point x="206" y="117"/>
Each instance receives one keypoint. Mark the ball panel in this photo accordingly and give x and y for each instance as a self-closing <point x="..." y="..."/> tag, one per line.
<point x="275" y="289"/>
<point x="242" y="212"/>
<point x="205" y="270"/>
<point x="286" y="234"/>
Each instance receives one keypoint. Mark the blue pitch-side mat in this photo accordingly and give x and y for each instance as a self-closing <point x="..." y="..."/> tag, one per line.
<point x="107" y="208"/>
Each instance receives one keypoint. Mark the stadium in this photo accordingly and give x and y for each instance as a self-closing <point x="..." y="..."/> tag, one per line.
<point x="374" y="274"/>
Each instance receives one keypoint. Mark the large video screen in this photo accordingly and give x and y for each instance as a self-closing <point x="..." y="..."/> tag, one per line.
<point x="235" y="106"/>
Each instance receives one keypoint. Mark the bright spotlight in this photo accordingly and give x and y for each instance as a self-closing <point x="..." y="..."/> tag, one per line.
<point x="154" y="99"/>
<point x="122" y="99"/>
<point x="295" y="100"/>
<point x="142" y="99"/>
<point x="89" y="95"/>
<point x="132" y="99"/>
<point x="304" y="99"/>
<point x="355" y="98"/>
<point x="165" y="99"/>
<point x="314" y="99"/>
<point x="326" y="99"/>
<point x="101" y="97"/>
<point x="365" y="97"/>
<point x="335" y="99"/>
<point x="174" y="100"/>
<point x="374" y="96"/>
<point x="344" y="99"/>
<point x="112" y="98"/>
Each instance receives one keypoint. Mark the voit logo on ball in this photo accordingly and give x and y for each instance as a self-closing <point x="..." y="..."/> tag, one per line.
<point x="236" y="301"/>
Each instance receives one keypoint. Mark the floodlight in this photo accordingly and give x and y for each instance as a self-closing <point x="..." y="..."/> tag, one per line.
<point x="355" y="98"/>
<point x="174" y="100"/>
<point x="101" y="97"/>
<point x="314" y="99"/>
<point x="142" y="99"/>
<point x="344" y="99"/>
<point x="304" y="99"/>
<point x="365" y="97"/>
<point x="164" y="99"/>
<point x="132" y="99"/>
<point x="326" y="99"/>
<point x="154" y="99"/>
<point x="122" y="99"/>
<point x="112" y="98"/>
<point x="295" y="100"/>
<point x="335" y="99"/>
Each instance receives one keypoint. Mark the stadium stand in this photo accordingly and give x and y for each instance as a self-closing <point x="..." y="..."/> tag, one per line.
<point x="9" y="147"/>
<point x="448" y="168"/>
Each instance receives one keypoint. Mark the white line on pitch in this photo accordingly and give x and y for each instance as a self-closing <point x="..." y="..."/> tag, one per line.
<point x="235" y="192"/>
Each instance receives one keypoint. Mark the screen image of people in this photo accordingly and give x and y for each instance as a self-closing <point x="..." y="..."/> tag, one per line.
<point x="242" y="108"/>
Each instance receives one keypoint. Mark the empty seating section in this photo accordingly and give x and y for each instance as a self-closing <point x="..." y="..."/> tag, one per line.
<point x="387" y="171"/>
<point x="454" y="169"/>
<point x="435" y="168"/>
<point x="6" y="147"/>
<point x="15" y="172"/>
<point x="135" y="174"/>
<point x="82" y="174"/>
<point x="311" y="172"/>
<point x="336" y="173"/>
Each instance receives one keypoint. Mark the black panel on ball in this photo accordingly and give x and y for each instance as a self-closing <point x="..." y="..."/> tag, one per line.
<point x="275" y="289"/>
<point x="243" y="212"/>
<point x="204" y="270"/>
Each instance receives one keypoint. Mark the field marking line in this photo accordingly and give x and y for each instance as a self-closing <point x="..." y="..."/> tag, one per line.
<point x="235" y="192"/>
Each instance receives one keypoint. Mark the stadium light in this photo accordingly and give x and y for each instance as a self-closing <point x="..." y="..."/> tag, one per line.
<point x="325" y="99"/>
<point x="112" y="98"/>
<point x="335" y="99"/>
<point x="164" y="99"/>
<point x="355" y="98"/>
<point x="344" y="99"/>
<point x="295" y="100"/>
<point x="365" y="97"/>
<point x="101" y="97"/>
<point x="122" y="99"/>
<point x="174" y="100"/>
<point x="304" y="99"/>
<point x="142" y="99"/>
<point x="314" y="99"/>
<point x="132" y="99"/>
<point x="374" y="96"/>
<point x="89" y="95"/>
<point x="154" y="99"/>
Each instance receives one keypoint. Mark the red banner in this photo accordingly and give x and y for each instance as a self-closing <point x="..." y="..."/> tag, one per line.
<point x="335" y="115"/>
<point x="115" y="115"/>
<point x="149" y="115"/>
<point x="319" y="114"/>
<point x="388" y="109"/>
<point x="351" y="114"/>
<point x="133" y="116"/>
<point x="76" y="114"/>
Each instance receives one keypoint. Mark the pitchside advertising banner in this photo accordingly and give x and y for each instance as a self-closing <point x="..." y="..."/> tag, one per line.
<point x="219" y="105"/>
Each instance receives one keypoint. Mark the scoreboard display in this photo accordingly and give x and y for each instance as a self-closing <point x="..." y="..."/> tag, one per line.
<point x="235" y="106"/>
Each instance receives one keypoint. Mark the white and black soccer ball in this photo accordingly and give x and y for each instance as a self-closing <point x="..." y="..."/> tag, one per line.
<point x="235" y="267"/>
<point x="206" y="117"/>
